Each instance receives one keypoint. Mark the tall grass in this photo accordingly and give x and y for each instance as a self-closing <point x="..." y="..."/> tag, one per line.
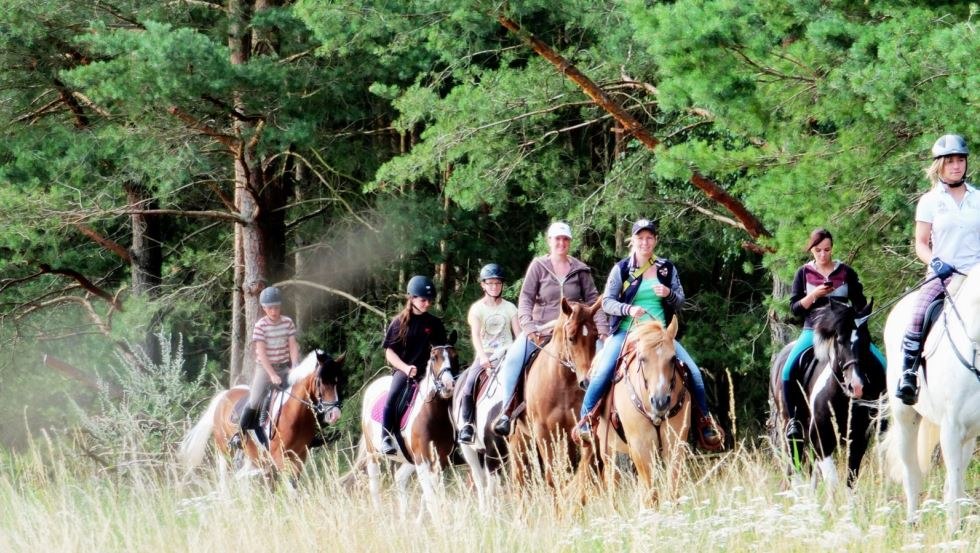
<point x="56" y="498"/>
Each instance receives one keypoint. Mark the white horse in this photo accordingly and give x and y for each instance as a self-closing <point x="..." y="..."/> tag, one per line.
<point x="949" y="395"/>
<point x="427" y="433"/>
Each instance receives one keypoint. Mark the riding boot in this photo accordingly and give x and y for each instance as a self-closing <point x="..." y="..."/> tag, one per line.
<point x="502" y="425"/>
<point x="792" y="411"/>
<point x="466" y="430"/>
<point x="908" y="385"/>
<point x="710" y="436"/>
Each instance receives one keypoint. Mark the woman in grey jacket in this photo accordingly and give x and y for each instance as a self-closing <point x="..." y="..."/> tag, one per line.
<point x="549" y="278"/>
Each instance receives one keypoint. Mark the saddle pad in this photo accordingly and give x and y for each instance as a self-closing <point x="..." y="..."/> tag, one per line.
<point x="378" y="409"/>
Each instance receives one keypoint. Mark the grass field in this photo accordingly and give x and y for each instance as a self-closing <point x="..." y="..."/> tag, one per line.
<point x="54" y="499"/>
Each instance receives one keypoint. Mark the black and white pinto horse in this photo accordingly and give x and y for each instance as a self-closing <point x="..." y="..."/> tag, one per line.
<point x="844" y="383"/>
<point x="488" y="452"/>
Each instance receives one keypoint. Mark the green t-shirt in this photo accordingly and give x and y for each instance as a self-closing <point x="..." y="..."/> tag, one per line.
<point x="647" y="299"/>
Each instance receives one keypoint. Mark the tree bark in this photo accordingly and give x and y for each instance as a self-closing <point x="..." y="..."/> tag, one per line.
<point x="146" y="259"/>
<point x="752" y="225"/>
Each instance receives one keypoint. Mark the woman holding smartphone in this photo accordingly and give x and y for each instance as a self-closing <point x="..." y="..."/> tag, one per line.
<point x="816" y="283"/>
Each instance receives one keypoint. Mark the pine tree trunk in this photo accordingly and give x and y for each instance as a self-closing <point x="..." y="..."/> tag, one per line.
<point x="146" y="259"/>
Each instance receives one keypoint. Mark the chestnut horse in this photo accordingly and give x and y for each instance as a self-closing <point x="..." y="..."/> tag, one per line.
<point x="553" y="393"/>
<point x="296" y="414"/>
<point x="427" y="432"/>
<point x="653" y="407"/>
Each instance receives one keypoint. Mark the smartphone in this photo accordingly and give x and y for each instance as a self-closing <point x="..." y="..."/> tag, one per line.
<point x="828" y="283"/>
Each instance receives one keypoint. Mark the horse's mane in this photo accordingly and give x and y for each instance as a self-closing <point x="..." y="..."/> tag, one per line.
<point x="649" y="333"/>
<point x="831" y="320"/>
<point x="304" y="369"/>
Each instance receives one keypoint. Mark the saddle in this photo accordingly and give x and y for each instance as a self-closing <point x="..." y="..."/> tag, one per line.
<point x="518" y="405"/>
<point x="405" y="404"/>
<point x="263" y="429"/>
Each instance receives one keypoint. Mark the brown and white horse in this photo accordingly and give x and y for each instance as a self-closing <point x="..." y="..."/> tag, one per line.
<point x="427" y="431"/>
<point x="311" y="400"/>
<point x="553" y="394"/>
<point x="653" y="407"/>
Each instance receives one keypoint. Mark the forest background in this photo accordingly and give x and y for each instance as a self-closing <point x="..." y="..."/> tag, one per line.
<point x="161" y="161"/>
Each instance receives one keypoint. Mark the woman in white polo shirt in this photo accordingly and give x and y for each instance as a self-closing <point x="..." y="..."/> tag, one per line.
<point x="947" y="239"/>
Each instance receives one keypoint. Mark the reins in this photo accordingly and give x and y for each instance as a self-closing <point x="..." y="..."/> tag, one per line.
<point x="969" y="365"/>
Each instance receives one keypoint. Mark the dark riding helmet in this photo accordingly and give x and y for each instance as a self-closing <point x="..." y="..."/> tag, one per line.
<point x="422" y="287"/>
<point x="491" y="270"/>
<point x="270" y="296"/>
<point x="949" y="145"/>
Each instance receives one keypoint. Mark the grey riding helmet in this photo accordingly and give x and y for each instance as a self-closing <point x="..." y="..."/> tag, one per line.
<point x="949" y="145"/>
<point x="270" y="296"/>
<point x="491" y="270"/>
<point x="422" y="287"/>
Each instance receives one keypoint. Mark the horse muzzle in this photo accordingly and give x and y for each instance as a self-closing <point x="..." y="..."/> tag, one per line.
<point x="660" y="403"/>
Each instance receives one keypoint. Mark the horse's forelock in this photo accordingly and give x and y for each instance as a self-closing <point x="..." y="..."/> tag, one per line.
<point x="650" y="333"/>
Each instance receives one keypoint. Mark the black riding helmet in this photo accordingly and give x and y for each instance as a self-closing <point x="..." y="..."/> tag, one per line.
<point x="422" y="287"/>
<point x="491" y="270"/>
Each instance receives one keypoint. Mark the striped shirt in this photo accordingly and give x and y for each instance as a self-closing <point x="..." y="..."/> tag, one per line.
<point x="276" y="338"/>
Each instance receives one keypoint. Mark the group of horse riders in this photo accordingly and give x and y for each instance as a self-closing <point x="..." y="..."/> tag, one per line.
<point x="639" y="288"/>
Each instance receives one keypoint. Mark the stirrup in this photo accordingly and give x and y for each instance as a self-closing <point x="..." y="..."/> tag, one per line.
<point x="583" y="431"/>
<point x="908" y="388"/>
<point x="717" y="442"/>
<point x="235" y="442"/>
<point x="467" y="433"/>
<point x="389" y="446"/>
<point x="502" y="426"/>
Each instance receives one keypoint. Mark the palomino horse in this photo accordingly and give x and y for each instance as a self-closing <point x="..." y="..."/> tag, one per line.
<point x="949" y="397"/>
<point x="553" y="393"/>
<point x="486" y="455"/>
<point x="311" y="400"/>
<point x="427" y="432"/>
<point x="652" y="404"/>
<point x="843" y="390"/>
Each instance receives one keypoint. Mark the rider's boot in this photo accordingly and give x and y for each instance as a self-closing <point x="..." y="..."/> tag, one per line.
<point x="792" y="410"/>
<point x="247" y="421"/>
<point x="710" y="436"/>
<point x="908" y="385"/>
<point x="502" y="425"/>
<point x="466" y="430"/>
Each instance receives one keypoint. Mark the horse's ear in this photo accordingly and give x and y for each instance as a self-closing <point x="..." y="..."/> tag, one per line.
<point x="339" y="360"/>
<point x="596" y="306"/>
<point x="672" y="328"/>
<point x="566" y="307"/>
<point x="866" y="311"/>
<point x="452" y="337"/>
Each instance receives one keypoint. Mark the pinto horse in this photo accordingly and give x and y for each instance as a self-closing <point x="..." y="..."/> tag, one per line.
<point x="949" y="397"/>
<point x="553" y="393"/>
<point x="653" y="407"/>
<point x="488" y="452"/>
<point x="310" y="401"/>
<point x="427" y="432"/>
<point x="842" y="391"/>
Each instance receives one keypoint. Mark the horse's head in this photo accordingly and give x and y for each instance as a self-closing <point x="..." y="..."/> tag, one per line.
<point x="326" y="393"/>
<point x="443" y="367"/>
<point x="576" y="335"/>
<point x="838" y="340"/>
<point x="657" y="360"/>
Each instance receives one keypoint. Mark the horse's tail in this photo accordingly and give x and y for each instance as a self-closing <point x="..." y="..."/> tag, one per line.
<point x="360" y="461"/>
<point x="195" y="442"/>
<point x="926" y="441"/>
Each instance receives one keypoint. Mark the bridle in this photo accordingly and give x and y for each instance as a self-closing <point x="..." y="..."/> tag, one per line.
<point x="635" y="396"/>
<point x="447" y="366"/>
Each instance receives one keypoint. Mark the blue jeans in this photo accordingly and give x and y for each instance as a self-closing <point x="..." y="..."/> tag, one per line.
<point x="510" y="367"/>
<point x="805" y="341"/>
<point x="605" y="365"/>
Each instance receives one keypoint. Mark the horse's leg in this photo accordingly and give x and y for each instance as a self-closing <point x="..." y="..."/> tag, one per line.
<point x="907" y="431"/>
<point x="374" y="479"/>
<point x="860" y="435"/>
<point x="675" y="448"/>
<point x="478" y="473"/>
<point x="952" y="443"/>
<point x="402" y="476"/>
<point x="427" y="474"/>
